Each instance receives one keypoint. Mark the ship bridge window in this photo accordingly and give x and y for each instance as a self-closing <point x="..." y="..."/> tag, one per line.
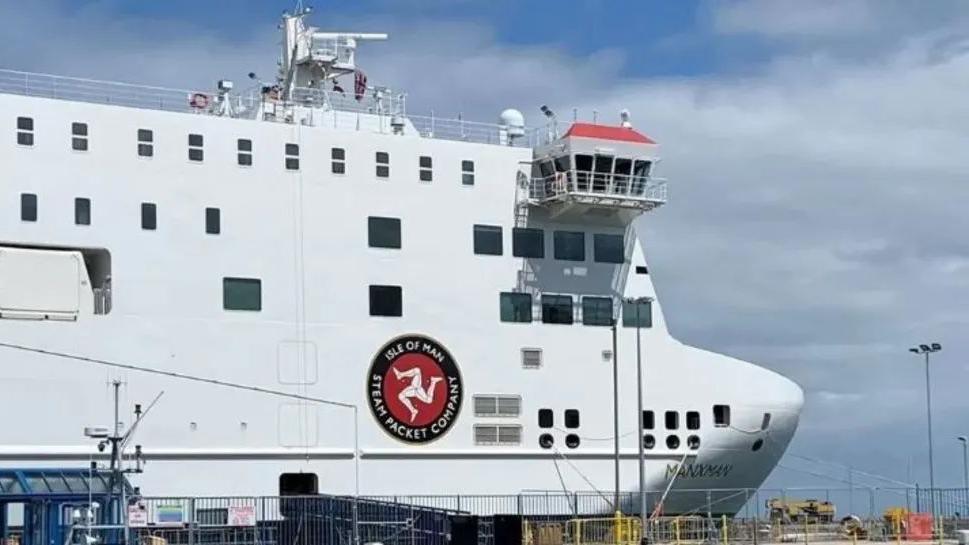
<point x="515" y="307"/>
<point x="213" y="221"/>
<point x="608" y="248"/>
<point x="622" y="171"/>
<point x="298" y="484"/>
<point x="527" y="242"/>
<point x="146" y="143"/>
<point x="28" y="207"/>
<point x="82" y="211"/>
<point x="596" y="310"/>
<point x="583" y="172"/>
<point x="292" y="156"/>
<point x="649" y="420"/>
<point x="692" y="420"/>
<point x="79" y="136"/>
<point x="672" y="420"/>
<point x="149" y="216"/>
<point x="383" y="232"/>
<point x="467" y="172"/>
<point x="603" y="173"/>
<point x="244" y="152"/>
<point x="426" y="169"/>
<point x="721" y="416"/>
<point x="546" y="168"/>
<point x="195" y="152"/>
<point x="569" y="245"/>
<point x="25" y="131"/>
<point x="546" y="418"/>
<point x="386" y="301"/>
<point x="637" y="314"/>
<point x="241" y="294"/>
<point x="487" y="240"/>
<point x="383" y="164"/>
<point x="556" y="309"/>
<point x="640" y="175"/>
<point x="338" y="160"/>
<point x="562" y="163"/>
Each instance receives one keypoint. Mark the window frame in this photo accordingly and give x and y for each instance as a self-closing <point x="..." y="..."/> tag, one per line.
<point x="79" y="136"/>
<point x="237" y="281"/>
<point x="196" y="152"/>
<point x="597" y="300"/>
<point x="721" y="415"/>
<point x="382" y="164"/>
<point x="563" y="242"/>
<point x="671" y="420"/>
<point x="375" y="236"/>
<point x="425" y="171"/>
<point x="520" y="241"/>
<point x="29" y="207"/>
<point x="692" y="420"/>
<point x="604" y="256"/>
<point x="291" y="156"/>
<point x="244" y="150"/>
<point x="146" y="143"/>
<point x="553" y="303"/>
<point x="629" y="314"/>
<point x="149" y="216"/>
<point x="25" y="131"/>
<point x="481" y="233"/>
<point x="649" y="419"/>
<point x="572" y="419"/>
<point x="546" y="418"/>
<point x="338" y="161"/>
<point x="516" y="299"/>
<point x="467" y="172"/>
<point x="82" y="211"/>
<point x="213" y="221"/>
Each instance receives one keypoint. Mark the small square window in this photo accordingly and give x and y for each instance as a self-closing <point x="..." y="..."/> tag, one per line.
<point x="82" y="211"/>
<point x="527" y="242"/>
<point x="692" y="420"/>
<point x="386" y="301"/>
<point x="569" y="245"/>
<point x="28" y="207"/>
<point x="79" y="129"/>
<point x="721" y="416"/>
<point x="426" y="172"/>
<point x="244" y="144"/>
<point x="25" y="138"/>
<point x="338" y="154"/>
<point x="195" y="140"/>
<point x="383" y="171"/>
<point x="383" y="232"/>
<point x="292" y="163"/>
<point x="79" y="144"/>
<point x="649" y="420"/>
<point x="145" y="136"/>
<point x="641" y="269"/>
<point x="213" y="221"/>
<point x="643" y="310"/>
<point x="515" y="307"/>
<point x="245" y="159"/>
<point x="427" y="175"/>
<point x="338" y="167"/>
<point x="546" y="418"/>
<point x="571" y="418"/>
<point x="242" y="294"/>
<point x="149" y="217"/>
<point x="672" y="420"/>
<point x="292" y="150"/>
<point x="25" y="123"/>
<point x="556" y="309"/>
<point x="487" y="240"/>
<point x="383" y="164"/>
<point x="425" y="162"/>
<point x="467" y="172"/>
<point x="195" y="154"/>
<point x="146" y="150"/>
<point x="608" y="248"/>
<point x="596" y="310"/>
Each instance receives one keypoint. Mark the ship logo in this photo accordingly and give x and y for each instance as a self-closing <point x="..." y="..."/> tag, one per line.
<point x="414" y="389"/>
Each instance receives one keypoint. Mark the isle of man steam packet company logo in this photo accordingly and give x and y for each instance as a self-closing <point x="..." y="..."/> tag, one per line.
<point x="415" y="389"/>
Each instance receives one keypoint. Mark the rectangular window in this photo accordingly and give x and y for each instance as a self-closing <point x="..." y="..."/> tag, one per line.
<point x="765" y="422"/>
<point x="244" y="152"/>
<point x="426" y="169"/>
<point x="645" y="313"/>
<point x="195" y="152"/>
<point x="148" y="216"/>
<point x="383" y="164"/>
<point x="386" y="301"/>
<point x="649" y="420"/>
<point x="467" y="172"/>
<point x="692" y="420"/>
<point x="292" y="156"/>
<point x="571" y="418"/>
<point x="556" y="309"/>
<point x="79" y="136"/>
<point x="487" y="239"/>
<point x="338" y="161"/>
<point x="672" y="420"/>
<point x="516" y="307"/>
<point x="241" y="294"/>
<point x="641" y="269"/>
<point x="383" y="232"/>
<point x="213" y="221"/>
<point x="28" y="207"/>
<point x="146" y="143"/>
<point x="569" y="245"/>
<point x="531" y="358"/>
<point x="721" y="416"/>
<point x="608" y="248"/>
<point x="500" y="435"/>
<point x="25" y="131"/>
<point x="82" y="211"/>
<point x="546" y="418"/>
<point x="497" y="405"/>
<point x="596" y="310"/>
<point x="527" y="242"/>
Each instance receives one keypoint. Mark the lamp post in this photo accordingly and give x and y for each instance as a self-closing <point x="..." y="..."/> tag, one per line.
<point x="638" y="302"/>
<point x="615" y="408"/>
<point x="926" y="349"/>
<point x="965" y="466"/>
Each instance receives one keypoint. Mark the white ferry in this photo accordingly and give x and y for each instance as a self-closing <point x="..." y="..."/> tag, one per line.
<point x="451" y="286"/>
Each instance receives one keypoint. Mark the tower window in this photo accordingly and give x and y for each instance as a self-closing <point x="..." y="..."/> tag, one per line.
<point x="426" y="169"/>
<point x="28" y="207"/>
<point x="515" y="307"/>
<point x="608" y="248"/>
<point x="487" y="240"/>
<point x="383" y="164"/>
<point x="672" y="420"/>
<point x="338" y="161"/>
<point x="546" y="418"/>
<point x="79" y="136"/>
<point x="25" y="131"/>
<point x="467" y="172"/>
<point x="649" y="420"/>
<point x="148" y="216"/>
<point x="596" y="310"/>
<point x="213" y="221"/>
<point x="195" y="152"/>
<point x="721" y="416"/>
<point x="571" y="418"/>
<point x="82" y="211"/>
<point x="569" y="245"/>
<point x="146" y="143"/>
<point x="244" y="152"/>
<point x="292" y="156"/>
<point x="557" y="309"/>
<point x="527" y="242"/>
<point x="383" y="232"/>
<point x="386" y="301"/>
<point x="692" y="420"/>
<point x="242" y="294"/>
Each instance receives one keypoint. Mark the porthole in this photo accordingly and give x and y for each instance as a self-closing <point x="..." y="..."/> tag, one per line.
<point x="757" y="444"/>
<point x="649" y="441"/>
<point x="572" y="440"/>
<point x="546" y="440"/>
<point x="693" y="442"/>
<point x="672" y="442"/>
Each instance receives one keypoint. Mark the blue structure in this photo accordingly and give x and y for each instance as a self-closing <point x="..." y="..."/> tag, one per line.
<point x="49" y="497"/>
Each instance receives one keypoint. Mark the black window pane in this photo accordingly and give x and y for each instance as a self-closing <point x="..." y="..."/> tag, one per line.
<point x="25" y="138"/>
<point x="721" y="415"/>
<point x="467" y="179"/>
<point x="649" y="420"/>
<point x="527" y="242"/>
<point x="383" y="157"/>
<point x="148" y="216"/>
<point x="425" y="162"/>
<point x="608" y="248"/>
<point x="569" y="245"/>
<point x="79" y="129"/>
<point x="82" y="211"/>
<point x="292" y="163"/>
<point x="516" y="307"/>
<point x="245" y="159"/>
<point x="146" y="150"/>
<point x="195" y="154"/>
<point x="241" y="294"/>
<point x="385" y="301"/>
<point x="467" y="166"/>
<point x="145" y="135"/>
<point x="546" y="418"/>
<point x="487" y="239"/>
<point x="629" y="315"/>
<point x="383" y="171"/>
<point x="672" y="420"/>
<point x="596" y="311"/>
<point x="692" y="420"/>
<point x="292" y="149"/>
<point x="25" y="123"/>
<point x="213" y="221"/>
<point x="195" y="140"/>
<point x="557" y="309"/>
<point x="28" y="207"/>
<point x="337" y="167"/>
<point x="427" y="175"/>
<point x="338" y="154"/>
<point x="642" y="269"/>
<point x="571" y="418"/>
<point x="79" y="144"/>
<point x="244" y="145"/>
<point x="383" y="232"/>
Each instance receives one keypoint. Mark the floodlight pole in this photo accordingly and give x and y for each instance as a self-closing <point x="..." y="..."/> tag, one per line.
<point x="926" y="349"/>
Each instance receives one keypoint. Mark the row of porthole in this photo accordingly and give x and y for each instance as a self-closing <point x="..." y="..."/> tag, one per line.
<point x="546" y="440"/>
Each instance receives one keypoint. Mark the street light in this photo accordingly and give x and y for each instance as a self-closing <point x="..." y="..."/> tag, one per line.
<point x="965" y="464"/>
<point x="638" y="302"/>
<point x="927" y="349"/>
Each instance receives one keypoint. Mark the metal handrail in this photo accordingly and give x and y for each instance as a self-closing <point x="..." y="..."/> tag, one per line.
<point x="599" y="184"/>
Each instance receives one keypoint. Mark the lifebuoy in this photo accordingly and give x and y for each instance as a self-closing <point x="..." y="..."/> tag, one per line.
<point x="199" y="101"/>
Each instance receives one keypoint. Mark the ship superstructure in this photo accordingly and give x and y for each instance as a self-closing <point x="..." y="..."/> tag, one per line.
<point x="455" y="281"/>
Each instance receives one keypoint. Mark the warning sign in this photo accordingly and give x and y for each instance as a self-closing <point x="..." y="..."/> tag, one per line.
<point x="242" y="515"/>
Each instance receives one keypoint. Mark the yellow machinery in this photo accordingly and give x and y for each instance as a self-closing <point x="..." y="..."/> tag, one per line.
<point x="792" y="510"/>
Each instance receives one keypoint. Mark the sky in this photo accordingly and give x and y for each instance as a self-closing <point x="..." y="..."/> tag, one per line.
<point x="816" y="153"/>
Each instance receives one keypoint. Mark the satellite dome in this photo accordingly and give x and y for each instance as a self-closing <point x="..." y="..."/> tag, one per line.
<point x="514" y="120"/>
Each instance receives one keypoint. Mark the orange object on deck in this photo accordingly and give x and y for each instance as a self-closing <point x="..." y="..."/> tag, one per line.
<point x="918" y="527"/>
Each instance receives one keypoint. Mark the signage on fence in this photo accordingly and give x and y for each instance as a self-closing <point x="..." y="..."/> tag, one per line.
<point x="138" y="515"/>
<point x="169" y="513"/>
<point x="242" y="515"/>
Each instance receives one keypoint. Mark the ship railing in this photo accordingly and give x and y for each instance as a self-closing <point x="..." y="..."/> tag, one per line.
<point x="644" y="191"/>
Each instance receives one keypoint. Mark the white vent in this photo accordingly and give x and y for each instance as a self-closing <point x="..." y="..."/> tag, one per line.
<point x="531" y="358"/>
<point x="500" y="435"/>
<point x="497" y="405"/>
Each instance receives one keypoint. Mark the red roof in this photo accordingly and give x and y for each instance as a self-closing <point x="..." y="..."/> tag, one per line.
<point x="607" y="132"/>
